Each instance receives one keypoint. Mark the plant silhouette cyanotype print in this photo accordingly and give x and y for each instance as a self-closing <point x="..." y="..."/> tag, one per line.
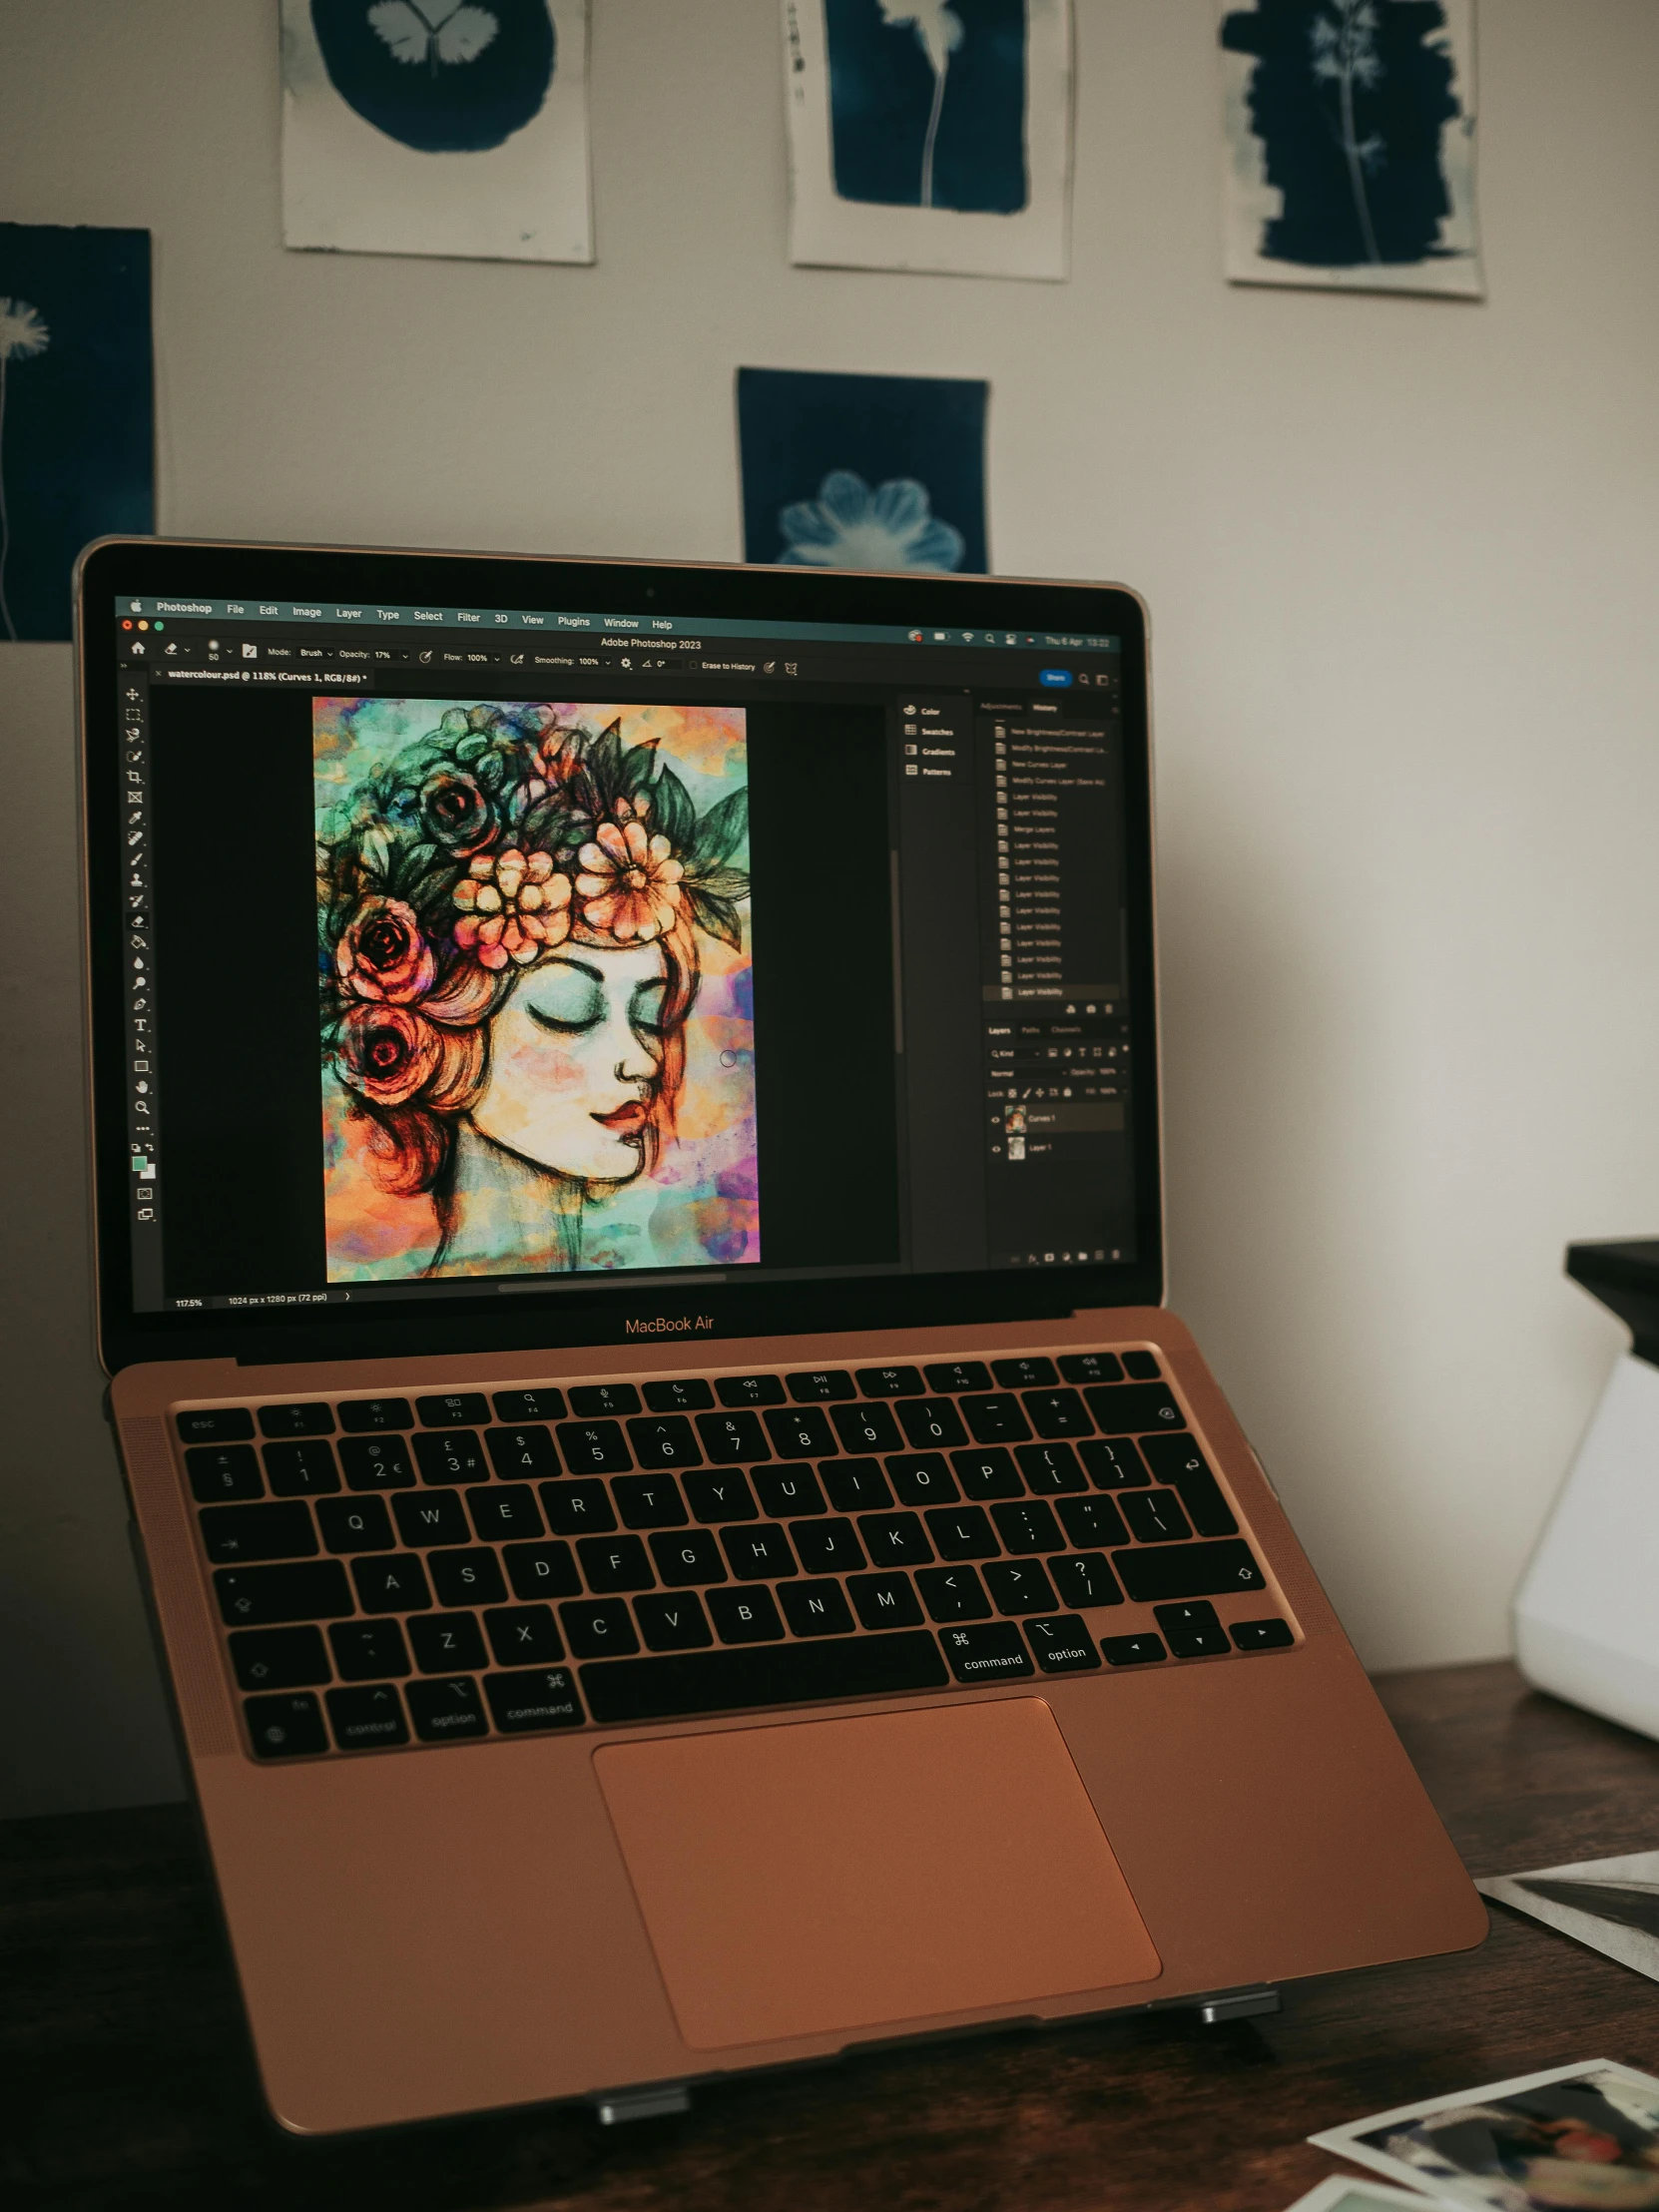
<point x="927" y="102"/>
<point x="1350" y="100"/>
<point x="849" y="527"/>
<point x="22" y="334"/>
<point x="440" y="76"/>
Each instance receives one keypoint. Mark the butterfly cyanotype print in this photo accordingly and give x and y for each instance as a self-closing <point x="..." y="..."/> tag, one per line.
<point x="436" y="39"/>
<point x="440" y="76"/>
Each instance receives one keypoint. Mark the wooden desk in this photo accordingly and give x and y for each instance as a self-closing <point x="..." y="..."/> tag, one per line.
<point x="125" y="2061"/>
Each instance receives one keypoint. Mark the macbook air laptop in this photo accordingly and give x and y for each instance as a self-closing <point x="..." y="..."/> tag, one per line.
<point x="630" y="1259"/>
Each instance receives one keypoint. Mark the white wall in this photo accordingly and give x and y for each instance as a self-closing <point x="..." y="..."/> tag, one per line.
<point x="1398" y="555"/>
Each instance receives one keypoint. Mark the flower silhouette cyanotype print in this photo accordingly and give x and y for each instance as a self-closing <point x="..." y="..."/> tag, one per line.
<point x="439" y="40"/>
<point x="440" y="76"/>
<point x="849" y="527"/>
<point x="23" y="333"/>
<point x="927" y="102"/>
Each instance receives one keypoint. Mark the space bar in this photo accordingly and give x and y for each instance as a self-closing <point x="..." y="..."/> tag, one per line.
<point x="766" y="1674"/>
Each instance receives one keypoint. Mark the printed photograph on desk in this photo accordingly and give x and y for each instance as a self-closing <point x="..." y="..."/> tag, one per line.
<point x="1350" y="145"/>
<point x="1583" y="2136"/>
<point x="929" y="134"/>
<point x="534" y="960"/>
<point x="1612" y="1905"/>
<point x="845" y="471"/>
<point x="1347" y="2193"/>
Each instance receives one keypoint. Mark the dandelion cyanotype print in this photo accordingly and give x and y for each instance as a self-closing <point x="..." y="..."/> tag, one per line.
<point x="76" y="434"/>
<point x="1351" y="144"/>
<point x="880" y="472"/>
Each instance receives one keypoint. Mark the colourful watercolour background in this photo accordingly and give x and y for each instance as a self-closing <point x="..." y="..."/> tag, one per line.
<point x="700" y="1206"/>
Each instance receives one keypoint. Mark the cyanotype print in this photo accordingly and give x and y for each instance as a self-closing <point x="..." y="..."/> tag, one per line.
<point x="883" y="473"/>
<point x="930" y="134"/>
<point x="77" y="410"/>
<point x="1351" y="145"/>
<point x="455" y="127"/>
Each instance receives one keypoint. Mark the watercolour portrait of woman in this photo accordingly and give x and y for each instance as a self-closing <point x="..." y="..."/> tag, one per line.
<point x="534" y="968"/>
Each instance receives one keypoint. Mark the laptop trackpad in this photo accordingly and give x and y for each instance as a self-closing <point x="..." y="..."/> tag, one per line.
<point x="828" y="1875"/>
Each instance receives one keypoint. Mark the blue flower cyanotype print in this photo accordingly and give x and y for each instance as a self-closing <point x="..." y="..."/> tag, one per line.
<point x="849" y="527"/>
<point x="927" y="102"/>
<point x="1351" y="100"/>
<point x="440" y="76"/>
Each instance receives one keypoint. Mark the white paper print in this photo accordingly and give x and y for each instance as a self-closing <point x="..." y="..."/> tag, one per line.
<point x="1612" y="1905"/>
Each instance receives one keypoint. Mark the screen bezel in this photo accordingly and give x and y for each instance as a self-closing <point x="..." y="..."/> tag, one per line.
<point x="165" y="568"/>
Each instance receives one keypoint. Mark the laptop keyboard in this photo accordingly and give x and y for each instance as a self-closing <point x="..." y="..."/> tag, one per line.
<point x="436" y="1569"/>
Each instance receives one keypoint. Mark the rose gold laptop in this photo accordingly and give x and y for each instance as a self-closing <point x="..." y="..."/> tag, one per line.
<point x="630" y="1256"/>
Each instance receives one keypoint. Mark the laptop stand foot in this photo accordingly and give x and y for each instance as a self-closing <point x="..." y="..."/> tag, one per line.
<point x="642" y="2104"/>
<point x="1242" y="2004"/>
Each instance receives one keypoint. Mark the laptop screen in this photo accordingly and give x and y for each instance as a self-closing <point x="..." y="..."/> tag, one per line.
<point x="484" y="948"/>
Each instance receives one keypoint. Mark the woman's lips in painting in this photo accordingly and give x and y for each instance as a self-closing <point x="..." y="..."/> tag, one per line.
<point x="627" y="1120"/>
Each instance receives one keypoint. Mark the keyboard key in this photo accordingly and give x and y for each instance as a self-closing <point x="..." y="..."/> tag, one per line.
<point x="987" y="1654"/>
<point x="260" y="1597"/>
<point x="1155" y="1516"/>
<point x="954" y="1593"/>
<point x="540" y="1697"/>
<point x="297" y="1420"/>
<point x="802" y="1433"/>
<point x="1029" y="1527"/>
<point x="687" y="1558"/>
<point x="857" y="1487"/>
<point x="368" y="1650"/>
<point x="375" y="1464"/>
<point x="758" y="1553"/>
<point x="451" y="1456"/>
<point x="286" y="1727"/>
<point x="1267" y="1635"/>
<point x="1051" y="1469"/>
<point x="1192" y="1631"/>
<point x="1085" y="1578"/>
<point x="442" y="1711"/>
<point x="368" y="1718"/>
<point x="614" y="1563"/>
<point x="1130" y="1408"/>
<point x="542" y="1570"/>
<point x="358" y="1417"/>
<point x="930" y="1422"/>
<point x="1132" y="1651"/>
<point x="789" y="1489"/>
<point x="948" y="1377"/>
<point x="1114" y="1463"/>
<point x="594" y="1448"/>
<point x="588" y="1399"/>
<point x="649" y="1502"/>
<point x="805" y="1673"/>
<point x="1091" y="1367"/>
<point x="301" y="1471"/>
<point x="867" y="1428"/>
<point x="431" y="1517"/>
<point x="1178" y="1462"/>
<point x="886" y="1600"/>
<point x="922" y="1478"/>
<point x="214" y="1424"/>
<point x="597" y="1627"/>
<point x="396" y="1584"/>
<point x="894" y="1539"/>
<point x="521" y="1636"/>
<point x="729" y="1437"/>
<point x="1172" y="1570"/>
<point x="578" y="1508"/>
<point x="1020" y="1587"/>
<point x="235" y="1532"/>
<point x="996" y="1419"/>
<point x="720" y="1497"/>
<point x="827" y="1547"/>
<point x="890" y="1382"/>
<point x="820" y="1387"/>
<point x="1062" y="1644"/>
<point x="744" y="1616"/>
<point x="1058" y="1413"/>
<point x="1024" y="1375"/>
<point x="663" y="1441"/>
<point x="815" y="1608"/>
<point x="1092" y="1523"/>
<point x="513" y="1406"/>
<point x="1143" y="1367"/>
<point x="470" y="1577"/>
<point x="683" y="1394"/>
<point x="294" y="1658"/>
<point x="961" y="1532"/>
<point x="219" y="1472"/>
<point x="673" y="1622"/>
<point x="355" y="1524"/>
<point x="748" y="1390"/>
<point x="523" y="1454"/>
<point x="454" y="1409"/>
<point x="503" y="1511"/>
<point x="985" y="1474"/>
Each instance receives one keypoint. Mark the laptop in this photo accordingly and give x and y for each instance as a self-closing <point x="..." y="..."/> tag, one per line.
<point x="630" y="1260"/>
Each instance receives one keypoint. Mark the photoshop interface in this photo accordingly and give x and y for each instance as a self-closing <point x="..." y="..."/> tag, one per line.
<point x="976" y="777"/>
